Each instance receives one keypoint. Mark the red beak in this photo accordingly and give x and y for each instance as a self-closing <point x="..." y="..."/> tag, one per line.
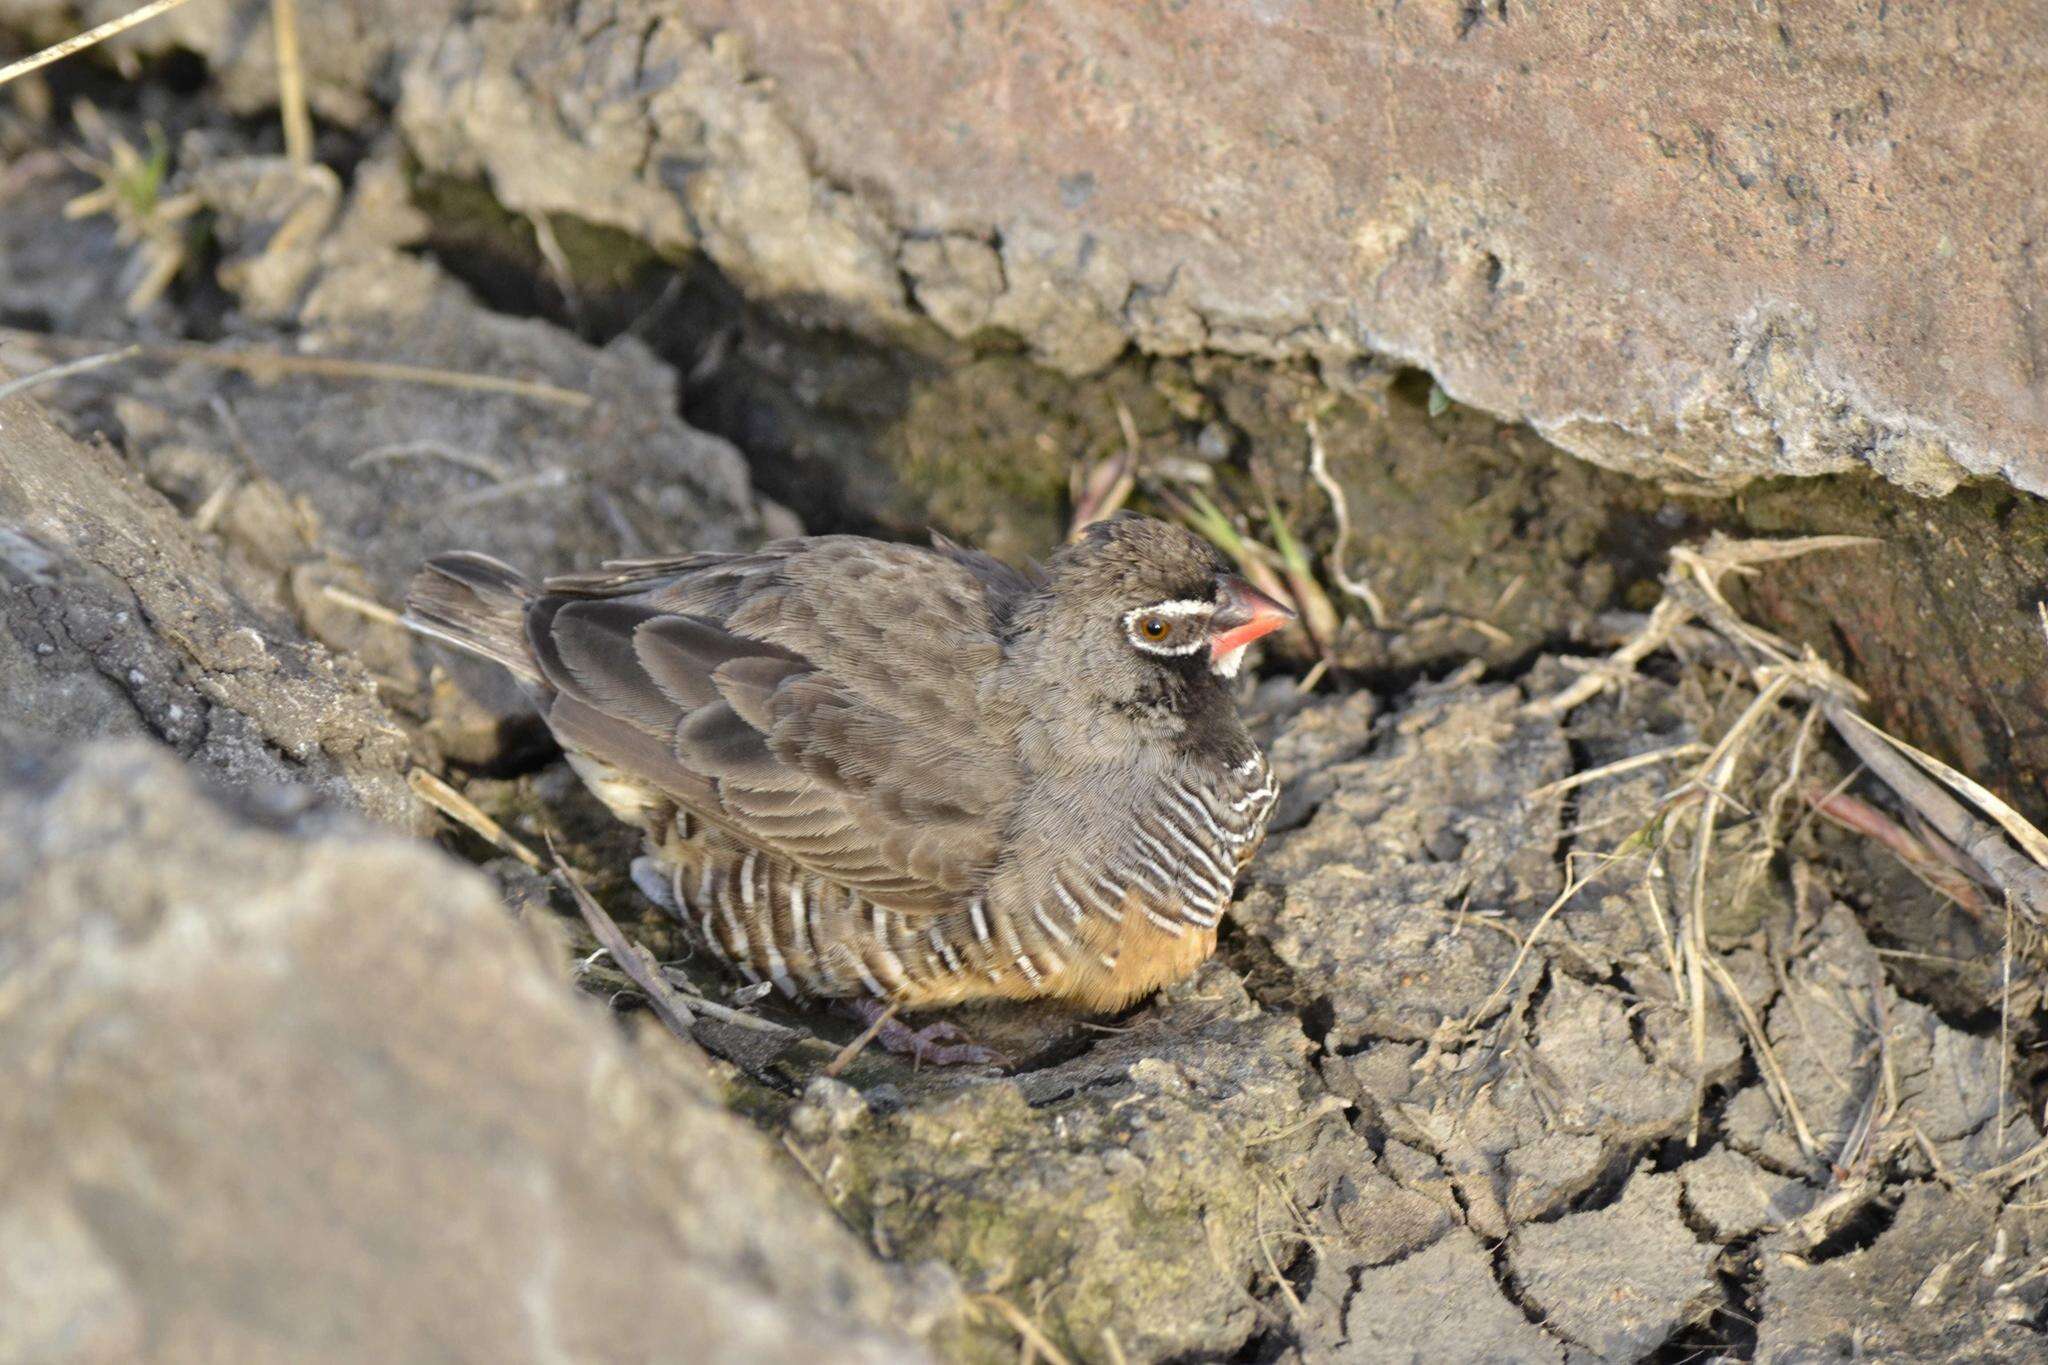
<point x="1243" y="614"/>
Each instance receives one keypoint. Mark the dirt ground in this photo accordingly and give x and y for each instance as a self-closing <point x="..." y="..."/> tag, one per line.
<point x="1444" y="1094"/>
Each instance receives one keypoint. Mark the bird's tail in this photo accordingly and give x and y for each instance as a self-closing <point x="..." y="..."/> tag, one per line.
<point x="477" y="604"/>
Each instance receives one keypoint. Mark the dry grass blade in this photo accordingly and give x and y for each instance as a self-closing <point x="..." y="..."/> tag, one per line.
<point x="1617" y="768"/>
<point x="2011" y="821"/>
<point x="53" y="373"/>
<point x="634" y="960"/>
<point x="1767" y="1057"/>
<point x="1272" y="1262"/>
<point x="266" y="364"/>
<point x="1033" y="1335"/>
<point x="1664" y="621"/>
<point x="1714" y="776"/>
<point x="363" y="606"/>
<point x="724" y="1014"/>
<point x="1692" y="588"/>
<point x="291" y="83"/>
<point x="2005" y="1024"/>
<point x="1860" y="817"/>
<point x="421" y="450"/>
<point x="270" y="365"/>
<point x="1573" y="885"/>
<point x="1979" y="842"/>
<point x="1100" y="491"/>
<point x="853" y="1049"/>
<point x="465" y="812"/>
<point x="92" y="37"/>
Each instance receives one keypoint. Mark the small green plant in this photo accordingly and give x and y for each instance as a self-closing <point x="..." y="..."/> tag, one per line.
<point x="130" y="190"/>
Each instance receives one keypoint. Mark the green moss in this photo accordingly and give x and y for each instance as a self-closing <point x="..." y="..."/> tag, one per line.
<point x="500" y="250"/>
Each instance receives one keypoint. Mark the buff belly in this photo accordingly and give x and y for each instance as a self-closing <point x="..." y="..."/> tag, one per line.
<point x="770" y="920"/>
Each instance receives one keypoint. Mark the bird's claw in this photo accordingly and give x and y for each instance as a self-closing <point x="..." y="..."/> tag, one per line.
<point x="937" y="1044"/>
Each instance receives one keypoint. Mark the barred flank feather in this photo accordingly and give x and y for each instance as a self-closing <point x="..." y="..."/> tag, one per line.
<point x="475" y="603"/>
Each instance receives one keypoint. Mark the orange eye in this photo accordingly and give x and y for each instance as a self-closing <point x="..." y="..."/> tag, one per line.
<point x="1154" y="629"/>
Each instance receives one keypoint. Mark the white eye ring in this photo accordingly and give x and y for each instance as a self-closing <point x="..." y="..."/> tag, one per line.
<point x="1169" y="612"/>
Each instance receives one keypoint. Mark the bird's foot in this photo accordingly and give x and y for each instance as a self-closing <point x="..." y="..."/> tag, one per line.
<point x="939" y="1044"/>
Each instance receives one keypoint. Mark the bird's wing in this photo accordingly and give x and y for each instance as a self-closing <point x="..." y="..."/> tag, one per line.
<point x="822" y="699"/>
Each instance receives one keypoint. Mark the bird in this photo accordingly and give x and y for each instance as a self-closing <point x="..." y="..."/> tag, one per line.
<point x="906" y="776"/>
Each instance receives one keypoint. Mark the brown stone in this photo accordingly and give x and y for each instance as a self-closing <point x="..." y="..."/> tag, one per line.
<point x="286" y="1088"/>
<point x="1702" y="244"/>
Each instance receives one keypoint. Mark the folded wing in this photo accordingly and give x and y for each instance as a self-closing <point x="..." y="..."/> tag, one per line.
<point x="828" y="700"/>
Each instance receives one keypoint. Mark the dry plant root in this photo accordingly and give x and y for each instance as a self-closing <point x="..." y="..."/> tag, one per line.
<point x="2007" y="852"/>
<point x="1966" y="843"/>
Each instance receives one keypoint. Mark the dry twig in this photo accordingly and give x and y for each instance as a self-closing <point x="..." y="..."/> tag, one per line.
<point x="634" y="960"/>
<point x="92" y="37"/>
<point x="465" y="812"/>
<point x="362" y="606"/>
<point x="853" y="1049"/>
<point x="1024" y="1327"/>
<point x="291" y="83"/>
<point x="271" y="365"/>
<point x="50" y="374"/>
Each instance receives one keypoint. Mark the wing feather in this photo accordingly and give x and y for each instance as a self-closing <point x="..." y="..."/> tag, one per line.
<point x="823" y="699"/>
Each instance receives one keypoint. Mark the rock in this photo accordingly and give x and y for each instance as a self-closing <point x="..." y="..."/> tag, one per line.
<point x="117" y="619"/>
<point x="330" y="491"/>
<point x="1940" y="1283"/>
<point x="1551" y="1172"/>
<point x="1307" y="747"/>
<point x="1734" y="1197"/>
<point x="1380" y="898"/>
<point x="1395" y="912"/>
<point x="1727" y="284"/>
<point x="1714" y="286"/>
<point x="1382" y="1220"/>
<point x="1124" y="1193"/>
<point x="286" y="1087"/>
<point x="1839" y="1030"/>
<point x="1619" y="1281"/>
<point x="57" y="277"/>
<point x="1439" y="1304"/>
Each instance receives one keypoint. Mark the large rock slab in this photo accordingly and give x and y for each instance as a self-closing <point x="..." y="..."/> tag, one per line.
<point x="117" y="618"/>
<point x="286" y="1089"/>
<point x="1704" y="245"/>
<point x="319" y="494"/>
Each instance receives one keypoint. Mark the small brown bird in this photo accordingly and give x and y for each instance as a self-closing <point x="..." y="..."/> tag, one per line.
<point x="912" y="775"/>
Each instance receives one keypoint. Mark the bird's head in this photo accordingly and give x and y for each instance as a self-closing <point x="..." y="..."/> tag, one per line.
<point x="1150" y="618"/>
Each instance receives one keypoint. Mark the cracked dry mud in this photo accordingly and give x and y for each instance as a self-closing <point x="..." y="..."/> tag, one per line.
<point x="267" y="1046"/>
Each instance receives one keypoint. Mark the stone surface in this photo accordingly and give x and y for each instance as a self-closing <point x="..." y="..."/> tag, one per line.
<point x="117" y="618"/>
<point x="1733" y="1197"/>
<point x="1619" y="1280"/>
<point x="1940" y="1283"/>
<point x="286" y="1088"/>
<point x="1125" y="1192"/>
<point x="1700" y="245"/>
<point x="1440" y="1304"/>
<point x="322" y="485"/>
<point x="1877" y="1078"/>
<point x="1436" y="820"/>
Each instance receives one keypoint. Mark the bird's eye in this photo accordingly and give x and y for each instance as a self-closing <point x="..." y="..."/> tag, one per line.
<point x="1154" y="628"/>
